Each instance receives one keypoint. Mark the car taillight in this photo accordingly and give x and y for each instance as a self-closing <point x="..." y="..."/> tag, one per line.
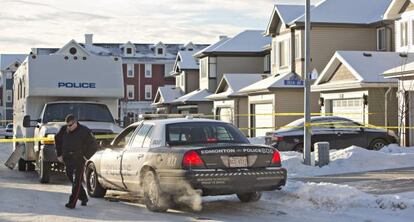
<point x="192" y="159"/>
<point x="276" y="158"/>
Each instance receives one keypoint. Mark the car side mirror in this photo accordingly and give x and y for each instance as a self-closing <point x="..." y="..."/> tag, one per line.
<point x="27" y="122"/>
<point x="362" y="129"/>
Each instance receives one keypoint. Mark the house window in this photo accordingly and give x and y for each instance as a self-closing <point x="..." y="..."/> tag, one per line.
<point x="9" y="96"/>
<point x="148" y="70"/>
<point x="204" y="67"/>
<point x="129" y="51"/>
<point x="130" y="70"/>
<point x="212" y="67"/>
<point x="297" y="47"/>
<point x="160" y="51"/>
<point x="148" y="91"/>
<point x="284" y="53"/>
<point x="130" y="91"/>
<point x="381" y="45"/>
<point x="404" y="33"/>
<point x="267" y="63"/>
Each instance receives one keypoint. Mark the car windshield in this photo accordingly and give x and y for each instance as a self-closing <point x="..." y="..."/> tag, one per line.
<point x="203" y="132"/>
<point x="82" y="111"/>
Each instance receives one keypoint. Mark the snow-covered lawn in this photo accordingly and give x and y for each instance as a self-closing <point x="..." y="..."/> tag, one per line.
<point x="22" y="198"/>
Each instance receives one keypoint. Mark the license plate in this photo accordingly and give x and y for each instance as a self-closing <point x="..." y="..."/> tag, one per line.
<point x="238" y="161"/>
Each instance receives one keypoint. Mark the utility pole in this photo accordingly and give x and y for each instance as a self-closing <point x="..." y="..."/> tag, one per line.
<point x="307" y="127"/>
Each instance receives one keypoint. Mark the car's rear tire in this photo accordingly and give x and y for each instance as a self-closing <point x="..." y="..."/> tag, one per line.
<point x="249" y="197"/>
<point x="155" y="200"/>
<point x="377" y="144"/>
<point x="93" y="186"/>
<point x="44" y="171"/>
<point x="21" y="165"/>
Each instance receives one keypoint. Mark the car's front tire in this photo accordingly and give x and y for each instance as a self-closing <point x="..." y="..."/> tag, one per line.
<point x="249" y="197"/>
<point x="155" y="200"/>
<point x="44" y="171"/>
<point x="377" y="144"/>
<point x="93" y="186"/>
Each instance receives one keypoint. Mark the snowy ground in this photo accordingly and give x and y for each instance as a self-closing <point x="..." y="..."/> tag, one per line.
<point x="22" y="198"/>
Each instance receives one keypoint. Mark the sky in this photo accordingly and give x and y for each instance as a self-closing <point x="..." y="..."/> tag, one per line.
<point x="27" y="24"/>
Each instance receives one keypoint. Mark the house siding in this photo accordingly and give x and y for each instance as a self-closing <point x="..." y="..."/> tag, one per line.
<point x="192" y="82"/>
<point x="376" y="107"/>
<point x="342" y="73"/>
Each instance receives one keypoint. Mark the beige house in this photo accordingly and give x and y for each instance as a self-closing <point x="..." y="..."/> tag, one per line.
<point x="229" y="104"/>
<point x="164" y="97"/>
<point x="336" y="25"/>
<point x="402" y="12"/>
<point x="352" y="86"/>
<point x="186" y="74"/>
<point x="247" y="52"/>
<point x="273" y="102"/>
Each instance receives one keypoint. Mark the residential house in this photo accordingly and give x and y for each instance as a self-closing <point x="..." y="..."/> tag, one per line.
<point x="352" y="86"/>
<point x="336" y="25"/>
<point x="245" y="53"/>
<point x="186" y="74"/>
<point x="402" y="13"/>
<point x="229" y="104"/>
<point x="8" y="66"/>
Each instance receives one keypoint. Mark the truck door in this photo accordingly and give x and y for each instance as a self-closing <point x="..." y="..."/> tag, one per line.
<point x="112" y="157"/>
<point x="133" y="157"/>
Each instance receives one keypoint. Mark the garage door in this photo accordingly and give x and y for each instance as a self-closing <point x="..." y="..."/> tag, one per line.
<point x="225" y="114"/>
<point x="349" y="108"/>
<point x="260" y="119"/>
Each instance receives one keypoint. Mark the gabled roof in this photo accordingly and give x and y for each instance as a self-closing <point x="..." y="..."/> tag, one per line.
<point x="198" y="95"/>
<point x="248" y="41"/>
<point x="357" y="12"/>
<point x="8" y="59"/>
<point x="287" y="80"/>
<point x="284" y="13"/>
<point x="367" y="67"/>
<point x="185" y="60"/>
<point x="230" y="84"/>
<point x="76" y="44"/>
<point x="210" y="48"/>
<point x="166" y="94"/>
<point x="349" y="11"/>
<point x="394" y="9"/>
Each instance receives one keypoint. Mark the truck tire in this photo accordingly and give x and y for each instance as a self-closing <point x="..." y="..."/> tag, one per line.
<point x="44" y="171"/>
<point x="21" y="165"/>
<point x="249" y="197"/>
<point x="154" y="198"/>
<point x="93" y="186"/>
<point x="30" y="166"/>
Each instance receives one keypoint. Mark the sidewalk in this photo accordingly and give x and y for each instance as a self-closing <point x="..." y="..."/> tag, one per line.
<point x="389" y="181"/>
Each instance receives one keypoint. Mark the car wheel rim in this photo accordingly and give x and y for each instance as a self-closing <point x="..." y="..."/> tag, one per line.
<point x="92" y="180"/>
<point x="378" y="146"/>
<point x="152" y="190"/>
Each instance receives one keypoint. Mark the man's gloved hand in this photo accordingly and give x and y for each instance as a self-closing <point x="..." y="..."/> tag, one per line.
<point x="60" y="158"/>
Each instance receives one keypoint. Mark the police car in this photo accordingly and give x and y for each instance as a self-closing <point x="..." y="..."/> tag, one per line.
<point x="162" y="158"/>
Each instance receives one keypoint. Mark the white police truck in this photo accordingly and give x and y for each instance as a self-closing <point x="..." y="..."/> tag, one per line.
<point x="47" y="88"/>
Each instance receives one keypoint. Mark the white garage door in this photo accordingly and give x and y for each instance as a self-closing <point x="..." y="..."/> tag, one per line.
<point x="349" y="108"/>
<point x="225" y="114"/>
<point x="263" y="118"/>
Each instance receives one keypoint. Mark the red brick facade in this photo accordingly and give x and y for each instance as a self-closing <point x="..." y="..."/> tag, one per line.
<point x="140" y="80"/>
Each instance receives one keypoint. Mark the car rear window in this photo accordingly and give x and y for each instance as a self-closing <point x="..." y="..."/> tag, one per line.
<point x="203" y="132"/>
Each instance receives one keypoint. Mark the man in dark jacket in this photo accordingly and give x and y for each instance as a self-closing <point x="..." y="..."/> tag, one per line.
<point x="75" y="144"/>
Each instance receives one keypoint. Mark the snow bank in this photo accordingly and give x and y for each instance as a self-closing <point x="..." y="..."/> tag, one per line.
<point x="334" y="197"/>
<point x="349" y="160"/>
<point x="352" y="159"/>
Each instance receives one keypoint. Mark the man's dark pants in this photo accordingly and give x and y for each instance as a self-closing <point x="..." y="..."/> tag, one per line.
<point x="74" y="171"/>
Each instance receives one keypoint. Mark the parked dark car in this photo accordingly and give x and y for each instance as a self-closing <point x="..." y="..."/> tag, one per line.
<point x="338" y="131"/>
